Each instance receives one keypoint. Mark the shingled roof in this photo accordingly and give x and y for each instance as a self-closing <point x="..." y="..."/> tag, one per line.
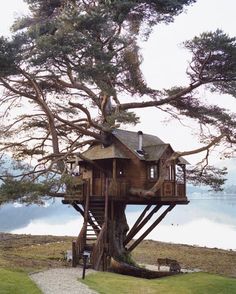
<point x="130" y="139"/>
<point x="153" y="147"/>
<point x="100" y="152"/>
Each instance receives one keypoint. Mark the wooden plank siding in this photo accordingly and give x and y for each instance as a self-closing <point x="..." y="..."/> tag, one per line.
<point x="135" y="169"/>
<point x="124" y="173"/>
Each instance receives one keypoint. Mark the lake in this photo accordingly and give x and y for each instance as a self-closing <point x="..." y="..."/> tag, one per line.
<point x="206" y="221"/>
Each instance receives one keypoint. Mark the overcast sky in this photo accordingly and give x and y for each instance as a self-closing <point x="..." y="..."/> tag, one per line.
<point x="165" y="61"/>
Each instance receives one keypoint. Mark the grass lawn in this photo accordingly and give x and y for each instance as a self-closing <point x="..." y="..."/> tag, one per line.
<point x="194" y="283"/>
<point x="12" y="282"/>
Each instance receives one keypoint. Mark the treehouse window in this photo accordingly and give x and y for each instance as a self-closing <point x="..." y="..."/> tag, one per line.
<point x="180" y="174"/>
<point x="152" y="172"/>
<point x="170" y="173"/>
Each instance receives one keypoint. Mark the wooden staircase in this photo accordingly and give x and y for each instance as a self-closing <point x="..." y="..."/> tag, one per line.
<point x="94" y="226"/>
<point x="93" y="235"/>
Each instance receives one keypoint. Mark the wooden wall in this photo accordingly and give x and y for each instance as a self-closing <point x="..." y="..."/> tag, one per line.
<point x="135" y="173"/>
<point x="135" y="169"/>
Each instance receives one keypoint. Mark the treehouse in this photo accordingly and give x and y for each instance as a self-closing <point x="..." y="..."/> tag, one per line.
<point x="131" y="168"/>
<point x="131" y="164"/>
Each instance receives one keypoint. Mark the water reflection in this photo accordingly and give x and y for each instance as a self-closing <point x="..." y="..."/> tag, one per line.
<point x="205" y="221"/>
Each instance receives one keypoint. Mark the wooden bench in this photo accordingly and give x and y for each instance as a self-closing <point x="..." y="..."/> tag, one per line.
<point x="173" y="264"/>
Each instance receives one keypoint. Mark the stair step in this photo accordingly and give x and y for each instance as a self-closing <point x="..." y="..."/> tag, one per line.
<point x="88" y="247"/>
<point x="92" y="230"/>
<point x="99" y="219"/>
<point x="97" y="205"/>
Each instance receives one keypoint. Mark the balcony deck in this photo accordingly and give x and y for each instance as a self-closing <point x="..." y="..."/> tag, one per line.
<point x="118" y="190"/>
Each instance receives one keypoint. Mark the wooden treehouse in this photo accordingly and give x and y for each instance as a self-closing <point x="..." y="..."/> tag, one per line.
<point x="113" y="176"/>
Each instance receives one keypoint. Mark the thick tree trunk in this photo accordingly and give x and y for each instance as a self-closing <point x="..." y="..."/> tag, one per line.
<point x="117" y="231"/>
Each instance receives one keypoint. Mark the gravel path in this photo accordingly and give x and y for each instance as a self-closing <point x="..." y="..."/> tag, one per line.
<point x="65" y="280"/>
<point x="61" y="281"/>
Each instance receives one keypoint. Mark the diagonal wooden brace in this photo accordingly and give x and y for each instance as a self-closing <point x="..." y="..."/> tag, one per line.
<point x="156" y="222"/>
<point x="141" y="224"/>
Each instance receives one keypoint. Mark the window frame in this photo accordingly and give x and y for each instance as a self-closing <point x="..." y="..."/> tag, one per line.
<point x="152" y="172"/>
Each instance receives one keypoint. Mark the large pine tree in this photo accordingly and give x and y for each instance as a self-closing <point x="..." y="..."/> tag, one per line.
<point x="70" y="74"/>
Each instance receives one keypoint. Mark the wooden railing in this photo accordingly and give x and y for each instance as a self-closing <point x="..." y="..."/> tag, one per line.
<point x="171" y="188"/>
<point x="77" y="189"/>
<point x="78" y="246"/>
<point x="181" y="190"/>
<point x="117" y="189"/>
<point x="98" y="249"/>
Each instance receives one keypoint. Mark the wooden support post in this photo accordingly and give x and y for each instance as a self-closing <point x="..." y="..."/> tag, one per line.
<point x="105" y="245"/>
<point x="86" y="208"/>
<point x="156" y="222"/>
<point x="114" y="169"/>
<point x="143" y="223"/>
<point x="106" y="201"/>
<point x="184" y="171"/>
<point x="175" y="187"/>
<point x="112" y="210"/>
<point x="101" y="246"/>
<point x="138" y="221"/>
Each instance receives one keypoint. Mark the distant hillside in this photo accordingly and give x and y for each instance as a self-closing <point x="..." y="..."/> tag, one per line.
<point x="228" y="190"/>
<point x="196" y="189"/>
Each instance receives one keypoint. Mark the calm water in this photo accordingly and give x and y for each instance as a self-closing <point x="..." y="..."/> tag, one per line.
<point x="206" y="221"/>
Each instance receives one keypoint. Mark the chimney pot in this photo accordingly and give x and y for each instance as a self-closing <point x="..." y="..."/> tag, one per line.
<point x="140" y="140"/>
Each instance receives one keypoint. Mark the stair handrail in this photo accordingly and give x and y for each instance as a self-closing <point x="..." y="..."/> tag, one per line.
<point x="100" y="245"/>
<point x="98" y="249"/>
<point x="81" y="239"/>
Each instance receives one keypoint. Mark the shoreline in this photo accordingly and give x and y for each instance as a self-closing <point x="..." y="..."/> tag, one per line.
<point x="39" y="252"/>
<point x="164" y="242"/>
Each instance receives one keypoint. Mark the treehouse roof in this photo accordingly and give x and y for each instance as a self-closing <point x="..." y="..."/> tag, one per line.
<point x="130" y="139"/>
<point x="152" y="147"/>
<point x="97" y="152"/>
